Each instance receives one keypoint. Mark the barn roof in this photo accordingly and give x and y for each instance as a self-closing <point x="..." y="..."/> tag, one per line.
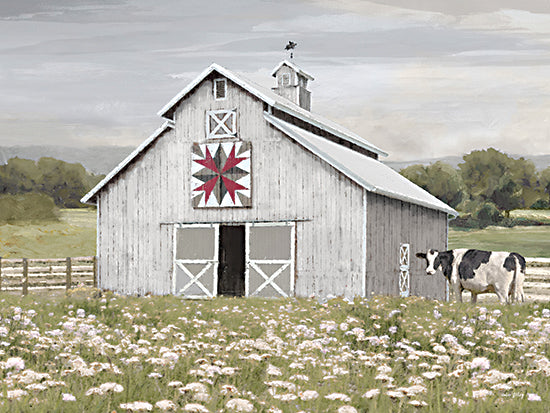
<point x="150" y="140"/>
<point x="368" y="172"/>
<point x="292" y="66"/>
<point x="274" y="100"/>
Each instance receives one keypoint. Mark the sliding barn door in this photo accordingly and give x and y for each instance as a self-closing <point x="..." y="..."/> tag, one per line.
<point x="270" y="259"/>
<point x="196" y="261"/>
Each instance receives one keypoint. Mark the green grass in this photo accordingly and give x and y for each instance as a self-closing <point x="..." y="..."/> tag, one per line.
<point x="278" y="347"/>
<point x="528" y="241"/>
<point x="74" y="235"/>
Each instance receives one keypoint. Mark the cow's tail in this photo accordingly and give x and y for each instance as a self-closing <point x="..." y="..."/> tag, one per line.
<point x="517" y="280"/>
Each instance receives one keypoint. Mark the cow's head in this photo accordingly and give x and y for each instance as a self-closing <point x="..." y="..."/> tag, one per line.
<point x="432" y="260"/>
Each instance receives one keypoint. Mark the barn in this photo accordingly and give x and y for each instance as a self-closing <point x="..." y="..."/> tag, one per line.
<point x="244" y="191"/>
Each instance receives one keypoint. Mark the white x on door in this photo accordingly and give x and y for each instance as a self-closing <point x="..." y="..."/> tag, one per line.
<point x="196" y="260"/>
<point x="404" y="273"/>
<point x="270" y="259"/>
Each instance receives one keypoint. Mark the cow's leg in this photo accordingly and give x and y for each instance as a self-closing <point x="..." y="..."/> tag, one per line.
<point x="502" y="297"/>
<point x="474" y="297"/>
<point x="458" y="292"/>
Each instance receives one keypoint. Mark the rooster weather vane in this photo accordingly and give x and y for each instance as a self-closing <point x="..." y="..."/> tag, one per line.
<point x="291" y="46"/>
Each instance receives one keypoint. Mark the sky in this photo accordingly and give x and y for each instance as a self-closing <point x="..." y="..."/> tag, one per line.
<point x="418" y="78"/>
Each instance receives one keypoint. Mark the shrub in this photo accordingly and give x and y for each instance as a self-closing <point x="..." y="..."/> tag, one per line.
<point x="541" y="204"/>
<point x="27" y="207"/>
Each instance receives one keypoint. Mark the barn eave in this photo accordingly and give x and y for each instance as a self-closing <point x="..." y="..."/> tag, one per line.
<point x="90" y="197"/>
<point x="370" y="173"/>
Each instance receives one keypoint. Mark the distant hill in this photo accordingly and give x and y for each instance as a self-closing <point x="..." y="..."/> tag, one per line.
<point x="102" y="159"/>
<point x="541" y="161"/>
<point x="96" y="159"/>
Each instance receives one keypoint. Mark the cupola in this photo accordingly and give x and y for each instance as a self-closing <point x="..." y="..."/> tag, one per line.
<point x="292" y="83"/>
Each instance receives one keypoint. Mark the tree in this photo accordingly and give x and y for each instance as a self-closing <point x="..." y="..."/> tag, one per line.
<point x="544" y="181"/>
<point x="492" y="176"/>
<point x="66" y="183"/>
<point x="440" y="179"/>
<point x="18" y="176"/>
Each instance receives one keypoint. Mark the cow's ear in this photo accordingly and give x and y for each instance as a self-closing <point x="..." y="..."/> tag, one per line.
<point x="421" y="255"/>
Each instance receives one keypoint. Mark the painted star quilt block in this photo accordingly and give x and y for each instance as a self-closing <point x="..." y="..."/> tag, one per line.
<point x="220" y="175"/>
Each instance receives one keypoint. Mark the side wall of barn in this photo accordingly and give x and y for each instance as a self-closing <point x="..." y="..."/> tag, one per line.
<point x="390" y="223"/>
<point x="139" y="207"/>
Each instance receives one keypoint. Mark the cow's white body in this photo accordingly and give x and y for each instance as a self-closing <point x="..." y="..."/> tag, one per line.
<point x="480" y="272"/>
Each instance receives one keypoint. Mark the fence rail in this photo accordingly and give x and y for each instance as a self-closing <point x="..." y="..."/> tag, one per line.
<point x="537" y="278"/>
<point x="26" y="274"/>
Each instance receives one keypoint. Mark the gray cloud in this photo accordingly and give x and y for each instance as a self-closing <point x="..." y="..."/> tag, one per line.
<point x="418" y="79"/>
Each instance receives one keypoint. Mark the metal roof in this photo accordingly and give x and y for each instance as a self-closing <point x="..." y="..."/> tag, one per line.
<point x="167" y="125"/>
<point x="274" y="100"/>
<point x="368" y="172"/>
<point x="292" y="66"/>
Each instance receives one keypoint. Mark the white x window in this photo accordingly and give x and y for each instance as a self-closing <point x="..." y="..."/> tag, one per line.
<point x="221" y="123"/>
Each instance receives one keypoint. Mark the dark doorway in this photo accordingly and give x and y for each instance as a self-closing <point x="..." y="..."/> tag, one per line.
<point x="231" y="260"/>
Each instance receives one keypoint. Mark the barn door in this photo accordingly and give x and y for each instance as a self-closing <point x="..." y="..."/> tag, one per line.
<point x="270" y="260"/>
<point x="196" y="260"/>
<point x="404" y="274"/>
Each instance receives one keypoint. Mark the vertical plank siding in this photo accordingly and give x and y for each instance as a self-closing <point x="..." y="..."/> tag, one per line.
<point x="390" y="223"/>
<point x="288" y="183"/>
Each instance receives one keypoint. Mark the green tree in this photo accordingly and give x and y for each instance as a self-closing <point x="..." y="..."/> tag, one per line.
<point x="544" y="181"/>
<point x="64" y="182"/>
<point x="19" y="176"/>
<point x="492" y="176"/>
<point x="440" y="179"/>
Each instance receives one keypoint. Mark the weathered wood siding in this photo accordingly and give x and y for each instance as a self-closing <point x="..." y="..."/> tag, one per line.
<point x="391" y="223"/>
<point x="288" y="183"/>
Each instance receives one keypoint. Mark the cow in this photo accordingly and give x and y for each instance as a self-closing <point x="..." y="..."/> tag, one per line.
<point x="479" y="272"/>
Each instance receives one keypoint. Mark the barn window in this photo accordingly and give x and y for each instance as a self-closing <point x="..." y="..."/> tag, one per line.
<point x="220" y="89"/>
<point x="284" y="79"/>
<point x="221" y="123"/>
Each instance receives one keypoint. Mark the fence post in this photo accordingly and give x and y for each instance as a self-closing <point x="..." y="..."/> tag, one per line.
<point x="25" y="277"/>
<point x="95" y="271"/>
<point x="68" y="280"/>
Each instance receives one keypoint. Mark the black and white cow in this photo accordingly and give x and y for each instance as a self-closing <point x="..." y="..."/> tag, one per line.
<point x="480" y="272"/>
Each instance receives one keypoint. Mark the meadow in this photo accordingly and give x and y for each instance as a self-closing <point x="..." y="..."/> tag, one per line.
<point x="528" y="241"/>
<point x="87" y="352"/>
<point x="74" y="235"/>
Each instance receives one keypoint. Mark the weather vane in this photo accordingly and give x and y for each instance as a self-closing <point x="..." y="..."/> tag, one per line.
<point x="291" y="46"/>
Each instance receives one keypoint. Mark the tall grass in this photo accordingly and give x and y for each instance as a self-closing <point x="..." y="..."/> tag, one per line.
<point x="277" y="355"/>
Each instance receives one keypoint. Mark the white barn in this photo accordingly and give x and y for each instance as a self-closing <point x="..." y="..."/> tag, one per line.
<point x="244" y="191"/>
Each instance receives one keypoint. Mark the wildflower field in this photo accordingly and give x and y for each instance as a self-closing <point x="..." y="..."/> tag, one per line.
<point x="103" y="353"/>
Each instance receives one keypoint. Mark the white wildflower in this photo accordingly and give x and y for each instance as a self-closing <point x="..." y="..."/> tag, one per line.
<point x="308" y="395"/>
<point x="166" y="405"/>
<point x="338" y="396"/>
<point x="240" y="405"/>
<point x="371" y="393"/>
<point x="195" y="408"/>
<point x="137" y="406"/>
<point x="480" y="362"/>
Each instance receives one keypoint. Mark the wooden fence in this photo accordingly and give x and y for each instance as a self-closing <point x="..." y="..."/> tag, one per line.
<point x="26" y="274"/>
<point x="537" y="279"/>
